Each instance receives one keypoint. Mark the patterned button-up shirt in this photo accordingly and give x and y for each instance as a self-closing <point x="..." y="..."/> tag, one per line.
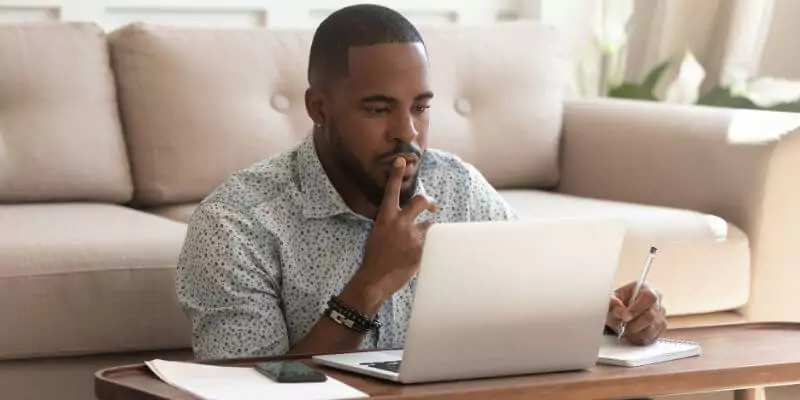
<point x="266" y="250"/>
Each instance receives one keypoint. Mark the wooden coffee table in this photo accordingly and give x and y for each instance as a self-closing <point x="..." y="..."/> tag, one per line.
<point x="735" y="357"/>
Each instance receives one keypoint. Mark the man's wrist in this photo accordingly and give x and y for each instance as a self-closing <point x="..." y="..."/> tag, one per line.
<point x="364" y="298"/>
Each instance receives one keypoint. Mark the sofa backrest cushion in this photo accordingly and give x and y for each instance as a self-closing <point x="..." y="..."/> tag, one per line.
<point x="198" y="104"/>
<point x="499" y="100"/>
<point x="60" y="134"/>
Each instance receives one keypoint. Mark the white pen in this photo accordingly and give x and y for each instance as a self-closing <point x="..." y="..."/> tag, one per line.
<point x="639" y="284"/>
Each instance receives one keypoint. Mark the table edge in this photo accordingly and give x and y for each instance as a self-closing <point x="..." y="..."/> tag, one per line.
<point x="105" y="377"/>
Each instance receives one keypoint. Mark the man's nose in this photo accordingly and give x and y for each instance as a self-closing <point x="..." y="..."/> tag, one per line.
<point x="404" y="129"/>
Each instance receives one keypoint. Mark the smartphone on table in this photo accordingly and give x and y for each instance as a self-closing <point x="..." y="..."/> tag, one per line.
<point x="290" y="372"/>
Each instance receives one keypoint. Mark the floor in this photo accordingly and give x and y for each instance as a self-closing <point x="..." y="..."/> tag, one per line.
<point x="65" y="378"/>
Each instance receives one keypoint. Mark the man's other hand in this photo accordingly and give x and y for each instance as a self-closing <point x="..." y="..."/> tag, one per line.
<point x="645" y="318"/>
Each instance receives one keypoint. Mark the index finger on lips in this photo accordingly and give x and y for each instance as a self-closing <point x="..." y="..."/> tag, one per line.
<point x="391" y="194"/>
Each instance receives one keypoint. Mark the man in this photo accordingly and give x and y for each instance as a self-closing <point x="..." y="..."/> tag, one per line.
<point x="315" y="250"/>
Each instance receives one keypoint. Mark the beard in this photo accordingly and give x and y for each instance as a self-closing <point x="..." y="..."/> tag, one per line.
<point x="361" y="177"/>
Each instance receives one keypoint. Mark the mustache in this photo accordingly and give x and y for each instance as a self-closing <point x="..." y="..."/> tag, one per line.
<point x="401" y="150"/>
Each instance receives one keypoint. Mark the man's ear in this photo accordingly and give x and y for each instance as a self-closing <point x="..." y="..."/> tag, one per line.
<point x="315" y="106"/>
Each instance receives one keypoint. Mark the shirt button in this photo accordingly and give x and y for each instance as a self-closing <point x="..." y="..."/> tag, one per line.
<point x="280" y="102"/>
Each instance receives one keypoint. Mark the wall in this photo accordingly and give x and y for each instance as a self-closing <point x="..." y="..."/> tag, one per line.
<point x="111" y="14"/>
<point x="573" y="18"/>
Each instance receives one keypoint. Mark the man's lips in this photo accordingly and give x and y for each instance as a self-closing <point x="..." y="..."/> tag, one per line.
<point x="409" y="170"/>
<point x="410" y="158"/>
<point x="411" y="164"/>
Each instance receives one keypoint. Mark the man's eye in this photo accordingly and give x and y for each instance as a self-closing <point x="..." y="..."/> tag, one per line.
<point x="377" y="111"/>
<point x="421" y="109"/>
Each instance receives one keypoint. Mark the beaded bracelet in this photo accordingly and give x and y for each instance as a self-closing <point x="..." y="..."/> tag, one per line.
<point x="345" y="315"/>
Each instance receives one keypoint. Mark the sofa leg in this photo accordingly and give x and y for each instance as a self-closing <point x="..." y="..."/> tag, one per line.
<point x="750" y="394"/>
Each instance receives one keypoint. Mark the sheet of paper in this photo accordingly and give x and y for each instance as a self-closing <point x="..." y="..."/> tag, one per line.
<point x="240" y="383"/>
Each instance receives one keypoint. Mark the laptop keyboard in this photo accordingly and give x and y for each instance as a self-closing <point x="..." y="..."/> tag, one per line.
<point x="393" y="366"/>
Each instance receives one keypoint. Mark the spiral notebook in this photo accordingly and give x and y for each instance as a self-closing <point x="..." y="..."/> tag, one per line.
<point x="614" y="352"/>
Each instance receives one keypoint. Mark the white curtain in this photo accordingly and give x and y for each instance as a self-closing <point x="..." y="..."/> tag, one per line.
<point x="780" y="57"/>
<point x="726" y="36"/>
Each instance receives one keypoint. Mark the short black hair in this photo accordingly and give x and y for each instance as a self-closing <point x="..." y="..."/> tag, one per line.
<point x="352" y="26"/>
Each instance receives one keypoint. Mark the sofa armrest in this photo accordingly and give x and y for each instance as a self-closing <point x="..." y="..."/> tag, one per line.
<point x="741" y="165"/>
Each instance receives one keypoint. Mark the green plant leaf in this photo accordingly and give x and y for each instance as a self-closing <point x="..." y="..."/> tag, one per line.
<point x="654" y="76"/>
<point x="632" y="91"/>
<point x="787" y="107"/>
<point x="721" y="97"/>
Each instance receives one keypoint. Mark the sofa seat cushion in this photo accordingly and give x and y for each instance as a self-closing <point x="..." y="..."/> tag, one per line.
<point x="87" y="278"/>
<point x="180" y="212"/>
<point x="703" y="264"/>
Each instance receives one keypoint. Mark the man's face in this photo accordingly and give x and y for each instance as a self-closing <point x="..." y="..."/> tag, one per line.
<point x="379" y="112"/>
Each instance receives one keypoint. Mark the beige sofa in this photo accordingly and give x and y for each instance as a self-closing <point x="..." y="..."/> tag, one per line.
<point x="107" y="143"/>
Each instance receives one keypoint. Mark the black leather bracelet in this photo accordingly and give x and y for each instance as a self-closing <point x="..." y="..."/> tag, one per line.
<point x="347" y="316"/>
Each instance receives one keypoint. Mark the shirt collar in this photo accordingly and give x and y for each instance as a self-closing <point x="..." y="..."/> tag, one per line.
<point x="320" y="198"/>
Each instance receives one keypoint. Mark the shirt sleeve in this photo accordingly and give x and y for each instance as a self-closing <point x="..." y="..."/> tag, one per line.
<point x="228" y="285"/>
<point x="484" y="201"/>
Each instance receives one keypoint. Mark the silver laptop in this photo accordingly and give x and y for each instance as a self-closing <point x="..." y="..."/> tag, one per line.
<point x="503" y="298"/>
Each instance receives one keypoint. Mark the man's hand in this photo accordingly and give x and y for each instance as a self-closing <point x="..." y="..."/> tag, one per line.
<point x="393" y="249"/>
<point x="392" y="257"/>
<point x="645" y="318"/>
